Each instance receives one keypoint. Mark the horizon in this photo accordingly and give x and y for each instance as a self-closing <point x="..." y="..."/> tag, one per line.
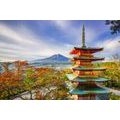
<point x="38" y="39"/>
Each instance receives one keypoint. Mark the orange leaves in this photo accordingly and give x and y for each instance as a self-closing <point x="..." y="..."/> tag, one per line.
<point x="27" y="78"/>
<point x="43" y="71"/>
<point x="21" y="63"/>
<point x="6" y="76"/>
<point x="10" y="82"/>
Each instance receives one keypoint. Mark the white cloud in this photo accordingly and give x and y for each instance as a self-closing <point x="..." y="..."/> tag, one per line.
<point x="13" y="35"/>
<point x="111" y="47"/>
<point x="62" y="24"/>
<point x="21" y="44"/>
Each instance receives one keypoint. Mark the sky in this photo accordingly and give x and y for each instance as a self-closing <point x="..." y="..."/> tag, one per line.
<point x="36" y="39"/>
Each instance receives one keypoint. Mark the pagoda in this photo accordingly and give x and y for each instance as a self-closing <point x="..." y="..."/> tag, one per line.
<point x="85" y="76"/>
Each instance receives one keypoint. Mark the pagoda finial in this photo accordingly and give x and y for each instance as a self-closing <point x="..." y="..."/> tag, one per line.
<point x="83" y="36"/>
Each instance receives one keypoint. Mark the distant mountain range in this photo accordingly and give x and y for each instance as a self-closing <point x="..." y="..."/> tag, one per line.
<point x="57" y="58"/>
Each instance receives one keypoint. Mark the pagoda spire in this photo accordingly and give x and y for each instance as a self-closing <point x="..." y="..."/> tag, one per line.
<point x="83" y="37"/>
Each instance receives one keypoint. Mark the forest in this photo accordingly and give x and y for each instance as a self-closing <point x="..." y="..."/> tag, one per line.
<point x="47" y="83"/>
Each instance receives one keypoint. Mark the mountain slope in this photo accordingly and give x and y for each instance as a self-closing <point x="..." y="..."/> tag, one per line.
<point x="57" y="58"/>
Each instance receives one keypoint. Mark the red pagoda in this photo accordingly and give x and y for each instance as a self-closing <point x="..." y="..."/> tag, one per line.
<point x="85" y="76"/>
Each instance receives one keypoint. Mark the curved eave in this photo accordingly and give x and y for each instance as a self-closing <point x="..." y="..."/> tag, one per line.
<point x="88" y="49"/>
<point x="89" y="69"/>
<point x="87" y="59"/>
<point x="89" y="80"/>
<point x="75" y="78"/>
<point x="90" y="91"/>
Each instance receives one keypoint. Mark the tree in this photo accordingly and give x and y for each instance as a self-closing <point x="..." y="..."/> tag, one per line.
<point x="19" y="65"/>
<point x="5" y="66"/>
<point x="11" y="83"/>
<point x="29" y="81"/>
<point x="114" y="26"/>
<point x="52" y="84"/>
<point x="114" y="74"/>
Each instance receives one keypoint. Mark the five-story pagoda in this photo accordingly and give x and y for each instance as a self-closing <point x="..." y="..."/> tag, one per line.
<point x="85" y="76"/>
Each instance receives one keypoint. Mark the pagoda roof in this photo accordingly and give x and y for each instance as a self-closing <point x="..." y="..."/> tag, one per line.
<point x="93" y="90"/>
<point x="88" y="48"/>
<point x="85" y="49"/>
<point x="88" y="58"/>
<point x="75" y="78"/>
<point x="88" y="69"/>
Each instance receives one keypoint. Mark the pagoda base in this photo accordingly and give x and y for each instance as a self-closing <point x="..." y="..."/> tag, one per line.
<point x="104" y="96"/>
<point x="87" y="97"/>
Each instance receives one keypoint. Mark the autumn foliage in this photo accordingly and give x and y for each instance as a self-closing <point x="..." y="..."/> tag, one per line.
<point x="28" y="78"/>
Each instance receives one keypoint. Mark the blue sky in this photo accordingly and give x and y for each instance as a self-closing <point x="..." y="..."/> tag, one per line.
<point x="27" y="40"/>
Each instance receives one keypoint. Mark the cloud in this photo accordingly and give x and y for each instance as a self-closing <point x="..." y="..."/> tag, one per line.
<point x="14" y="36"/>
<point x="21" y="43"/>
<point x="111" y="47"/>
<point x="62" y="24"/>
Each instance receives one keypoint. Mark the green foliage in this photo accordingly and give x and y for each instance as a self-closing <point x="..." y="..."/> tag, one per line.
<point x="38" y="80"/>
<point x="29" y="76"/>
<point x="54" y="82"/>
<point x="9" y="89"/>
<point x="112" y="72"/>
<point x="114" y="97"/>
